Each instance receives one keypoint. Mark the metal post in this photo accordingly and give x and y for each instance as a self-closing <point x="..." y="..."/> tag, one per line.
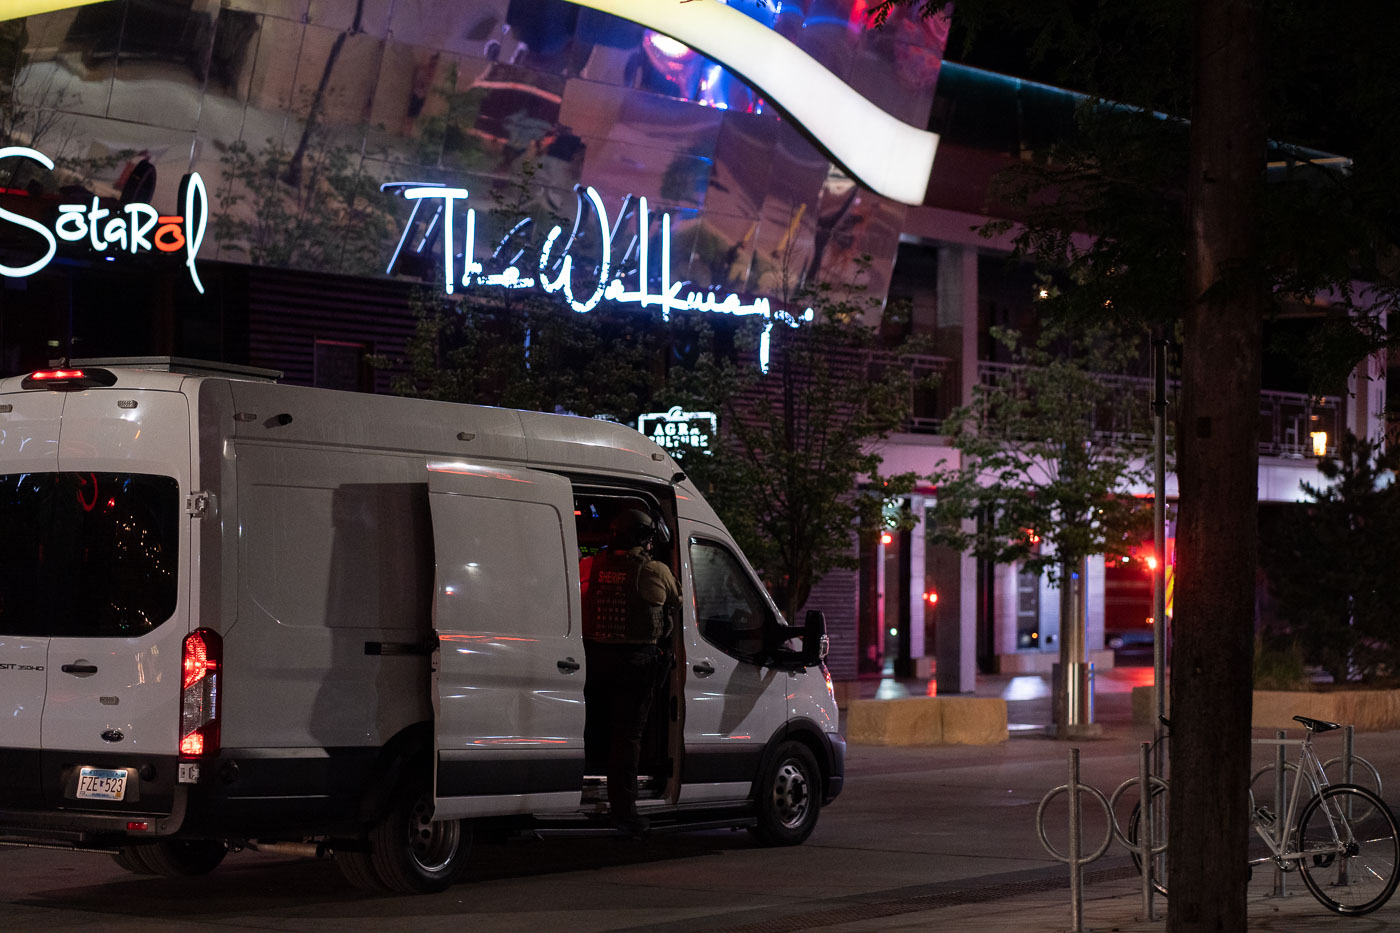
<point x="1348" y="763"/>
<point x="1348" y="777"/>
<point x="1145" y="841"/>
<point x="1159" y="547"/>
<point x="1280" y="806"/>
<point x="1076" y="870"/>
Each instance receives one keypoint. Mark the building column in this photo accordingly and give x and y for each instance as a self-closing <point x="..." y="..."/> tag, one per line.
<point x="957" y="307"/>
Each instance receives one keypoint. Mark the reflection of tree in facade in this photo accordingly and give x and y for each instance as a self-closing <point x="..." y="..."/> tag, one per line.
<point x="32" y="113"/>
<point x="334" y="218"/>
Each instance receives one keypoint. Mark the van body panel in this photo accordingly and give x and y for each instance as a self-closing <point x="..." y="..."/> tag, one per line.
<point x="135" y="687"/>
<point x="395" y="586"/>
<point x="334" y="559"/>
<point x="28" y="441"/>
<point x="29" y="431"/>
<point x="356" y="421"/>
<point x="590" y="445"/>
<point x="509" y="679"/>
<point x="733" y="700"/>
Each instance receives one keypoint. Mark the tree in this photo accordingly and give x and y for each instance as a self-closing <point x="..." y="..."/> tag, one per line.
<point x="1049" y="456"/>
<point x="1330" y="565"/>
<point x="1188" y="215"/>
<point x="795" y="472"/>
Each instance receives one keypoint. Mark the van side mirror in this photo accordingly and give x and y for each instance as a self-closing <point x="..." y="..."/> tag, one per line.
<point x="815" y="643"/>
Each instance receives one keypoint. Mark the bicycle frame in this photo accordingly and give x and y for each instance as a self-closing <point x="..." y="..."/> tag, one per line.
<point x="1286" y="829"/>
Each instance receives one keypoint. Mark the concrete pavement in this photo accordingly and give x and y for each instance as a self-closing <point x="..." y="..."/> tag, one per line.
<point x="938" y="838"/>
<point x="1113" y="899"/>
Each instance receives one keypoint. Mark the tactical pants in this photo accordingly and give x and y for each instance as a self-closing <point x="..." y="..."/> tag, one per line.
<point x="617" y="695"/>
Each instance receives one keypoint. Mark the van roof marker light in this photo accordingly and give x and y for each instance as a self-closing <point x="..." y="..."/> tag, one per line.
<point x="68" y="379"/>
<point x="884" y="153"/>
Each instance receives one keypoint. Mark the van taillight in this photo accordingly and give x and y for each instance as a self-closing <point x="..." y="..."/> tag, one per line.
<point x="199" y="700"/>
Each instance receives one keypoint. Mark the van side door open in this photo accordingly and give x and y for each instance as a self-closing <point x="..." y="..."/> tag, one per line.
<point x="509" y="708"/>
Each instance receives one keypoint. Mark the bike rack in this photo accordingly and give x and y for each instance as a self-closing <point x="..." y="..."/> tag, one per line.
<point x="1143" y="849"/>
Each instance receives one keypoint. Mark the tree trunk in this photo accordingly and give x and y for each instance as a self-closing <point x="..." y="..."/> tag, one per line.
<point x="1218" y="471"/>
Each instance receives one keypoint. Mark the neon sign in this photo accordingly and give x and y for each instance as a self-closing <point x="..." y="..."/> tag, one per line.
<point x="555" y="274"/>
<point x="678" y="430"/>
<point x="131" y="228"/>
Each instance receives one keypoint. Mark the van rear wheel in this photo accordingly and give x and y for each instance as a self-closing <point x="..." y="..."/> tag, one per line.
<point x="788" y="797"/>
<point x="411" y="853"/>
<point x="129" y="859"/>
<point x="178" y="858"/>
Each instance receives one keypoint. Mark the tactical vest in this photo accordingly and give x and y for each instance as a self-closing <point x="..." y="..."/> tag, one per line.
<point x="615" y="611"/>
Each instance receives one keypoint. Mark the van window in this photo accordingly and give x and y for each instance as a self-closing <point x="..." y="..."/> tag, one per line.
<point x="87" y="554"/>
<point x="730" y="611"/>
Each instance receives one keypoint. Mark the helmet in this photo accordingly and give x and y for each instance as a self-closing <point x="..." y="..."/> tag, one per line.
<point x="633" y="527"/>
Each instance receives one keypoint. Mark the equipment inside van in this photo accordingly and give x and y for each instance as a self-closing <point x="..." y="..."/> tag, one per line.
<point x="237" y="614"/>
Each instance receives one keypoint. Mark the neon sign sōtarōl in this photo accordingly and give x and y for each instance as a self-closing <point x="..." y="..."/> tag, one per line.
<point x="130" y="228"/>
<point x="555" y="273"/>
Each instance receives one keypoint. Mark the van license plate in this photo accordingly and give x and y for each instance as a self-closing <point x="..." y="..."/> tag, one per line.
<point x="101" y="784"/>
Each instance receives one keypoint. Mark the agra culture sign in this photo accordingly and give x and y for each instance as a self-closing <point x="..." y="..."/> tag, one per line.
<point x="678" y="430"/>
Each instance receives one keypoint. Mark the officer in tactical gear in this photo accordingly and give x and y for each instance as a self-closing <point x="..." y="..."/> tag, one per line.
<point x="630" y="605"/>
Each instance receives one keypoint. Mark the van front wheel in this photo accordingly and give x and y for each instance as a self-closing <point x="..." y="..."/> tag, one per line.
<point x="414" y="854"/>
<point x="788" y="797"/>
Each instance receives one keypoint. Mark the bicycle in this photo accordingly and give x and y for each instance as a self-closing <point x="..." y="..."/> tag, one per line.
<point x="1344" y="840"/>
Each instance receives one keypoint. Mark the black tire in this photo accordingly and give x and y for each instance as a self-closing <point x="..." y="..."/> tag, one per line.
<point x="788" y="797"/>
<point x="180" y="858"/>
<point x="413" y="854"/>
<point x="1159" y="830"/>
<point x="1362" y="875"/>
<point x="358" y="869"/>
<point x="130" y="859"/>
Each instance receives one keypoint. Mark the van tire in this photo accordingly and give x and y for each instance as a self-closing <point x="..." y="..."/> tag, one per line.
<point x="358" y="869"/>
<point x="128" y="858"/>
<point x="788" y="796"/>
<point x="180" y="858"/>
<point x="413" y="854"/>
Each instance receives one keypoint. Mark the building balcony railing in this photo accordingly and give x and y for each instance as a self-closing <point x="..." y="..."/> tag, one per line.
<point x="1287" y="420"/>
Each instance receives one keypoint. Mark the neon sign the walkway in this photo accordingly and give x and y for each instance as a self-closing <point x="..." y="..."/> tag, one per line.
<point x="132" y="229"/>
<point x="556" y="274"/>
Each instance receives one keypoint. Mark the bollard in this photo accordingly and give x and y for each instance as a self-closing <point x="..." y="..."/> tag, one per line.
<point x="1348" y="773"/>
<point x="1076" y="870"/>
<point x="1145" y="807"/>
<point x="1280" y="804"/>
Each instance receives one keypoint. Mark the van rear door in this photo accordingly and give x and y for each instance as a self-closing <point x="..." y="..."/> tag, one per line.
<point x="28" y="443"/>
<point x="509" y="676"/>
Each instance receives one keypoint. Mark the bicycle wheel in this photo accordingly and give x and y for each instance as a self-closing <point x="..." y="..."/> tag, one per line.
<point x="1350" y="847"/>
<point x="1159" y="833"/>
<point x="1363" y="774"/>
<point x="1262" y="786"/>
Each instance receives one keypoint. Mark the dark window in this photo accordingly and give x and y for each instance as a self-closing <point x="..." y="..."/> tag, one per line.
<point x="87" y="554"/>
<point x="730" y="611"/>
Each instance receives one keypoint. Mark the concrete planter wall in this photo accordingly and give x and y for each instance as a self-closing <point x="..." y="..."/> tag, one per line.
<point x="926" y="721"/>
<point x="1367" y="710"/>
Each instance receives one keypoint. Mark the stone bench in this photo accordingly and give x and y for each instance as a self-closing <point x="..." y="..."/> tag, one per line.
<point x="926" y="721"/>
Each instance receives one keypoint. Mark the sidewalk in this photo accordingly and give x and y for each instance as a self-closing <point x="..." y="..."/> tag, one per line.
<point x="1115" y="906"/>
<point x="1036" y="901"/>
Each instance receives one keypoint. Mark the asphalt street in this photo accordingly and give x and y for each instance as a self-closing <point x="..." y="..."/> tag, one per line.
<point x="923" y="838"/>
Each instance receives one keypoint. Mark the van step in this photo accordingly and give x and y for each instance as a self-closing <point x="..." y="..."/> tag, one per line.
<point x="598" y="829"/>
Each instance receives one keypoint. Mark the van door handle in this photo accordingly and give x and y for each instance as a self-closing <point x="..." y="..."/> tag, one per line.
<point x="703" y="668"/>
<point x="81" y="670"/>
<point x="568" y="666"/>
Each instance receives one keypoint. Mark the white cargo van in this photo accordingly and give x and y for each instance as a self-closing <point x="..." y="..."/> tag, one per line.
<point x="236" y="613"/>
